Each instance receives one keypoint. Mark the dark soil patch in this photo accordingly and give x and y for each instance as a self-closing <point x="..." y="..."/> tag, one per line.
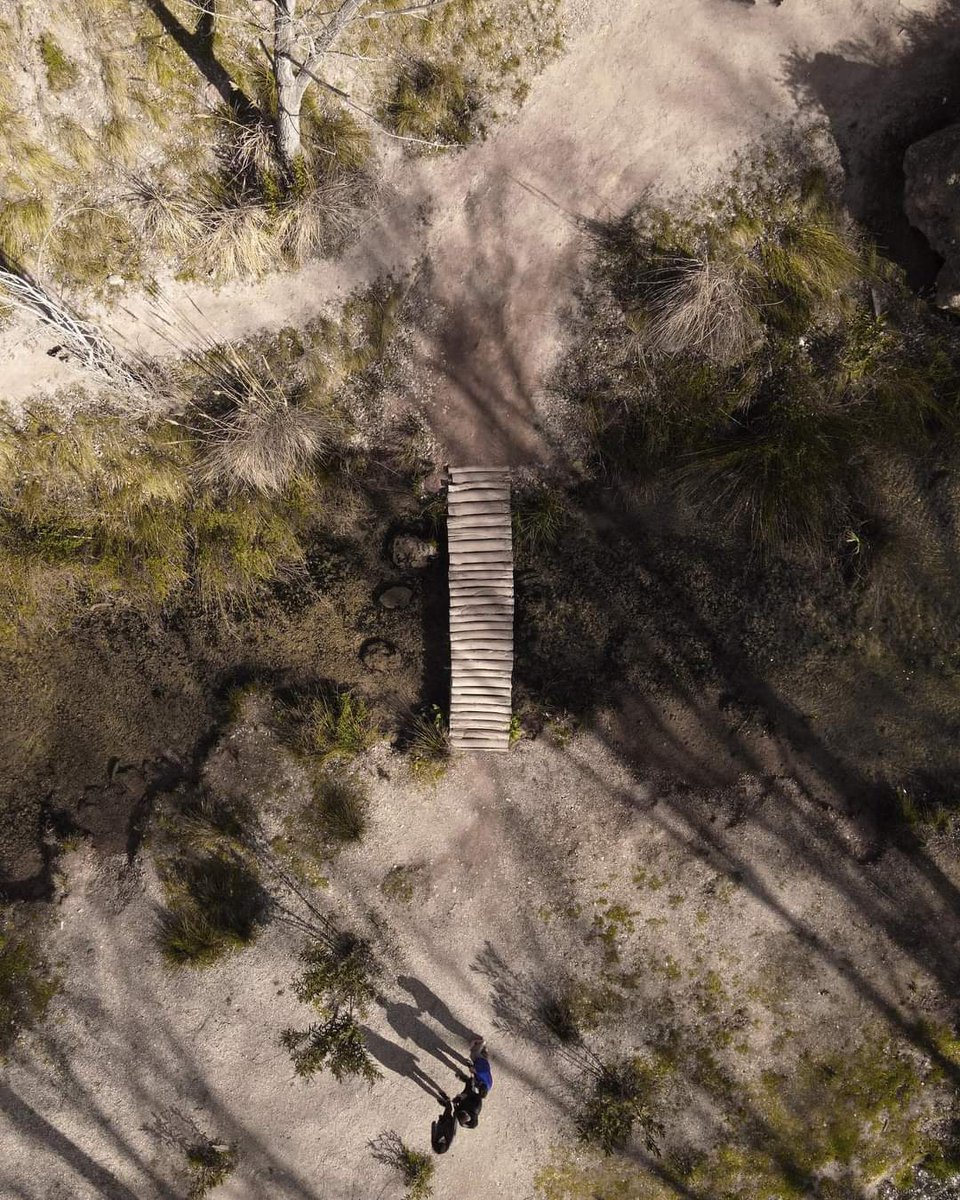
<point x="709" y="661"/>
<point x="100" y="718"/>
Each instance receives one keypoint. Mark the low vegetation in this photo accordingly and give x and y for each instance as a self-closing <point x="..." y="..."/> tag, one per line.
<point x="339" y="981"/>
<point x="81" y="202"/>
<point x="762" y="360"/>
<point x="619" y="1102"/>
<point x="27" y="982"/>
<point x="210" y="1164"/>
<point x="337" y="729"/>
<point x="413" y="1166"/>
<point x="427" y="745"/>
<point x="215" y="905"/>
<point x="402" y="882"/>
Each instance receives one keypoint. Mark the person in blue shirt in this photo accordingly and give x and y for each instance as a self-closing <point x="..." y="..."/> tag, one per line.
<point x="467" y="1105"/>
<point x="481" y="1064"/>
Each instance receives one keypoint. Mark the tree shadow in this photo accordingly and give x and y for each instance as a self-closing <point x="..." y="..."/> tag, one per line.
<point x="199" y="48"/>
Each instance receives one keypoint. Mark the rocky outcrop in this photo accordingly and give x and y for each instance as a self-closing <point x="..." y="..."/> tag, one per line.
<point x="932" y="203"/>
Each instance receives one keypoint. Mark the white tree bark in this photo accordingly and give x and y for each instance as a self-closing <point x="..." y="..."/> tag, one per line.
<point x="294" y="76"/>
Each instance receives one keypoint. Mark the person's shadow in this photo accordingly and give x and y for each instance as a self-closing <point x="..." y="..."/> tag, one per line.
<point x="402" y="1062"/>
<point x="404" y="1020"/>
<point x="429" y="1002"/>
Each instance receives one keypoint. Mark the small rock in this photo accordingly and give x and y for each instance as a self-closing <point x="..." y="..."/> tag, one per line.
<point x="412" y="552"/>
<point x="115" y="280"/>
<point x="378" y="655"/>
<point x="397" y="596"/>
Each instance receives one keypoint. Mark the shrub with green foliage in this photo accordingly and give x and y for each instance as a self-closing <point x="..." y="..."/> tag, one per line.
<point x="215" y="906"/>
<point x="210" y="1164"/>
<point x="762" y="359"/>
<point x="339" y="728"/>
<point x="618" y="1103"/>
<point x="339" y="980"/>
<point x="413" y="1166"/>
<point x="27" y="984"/>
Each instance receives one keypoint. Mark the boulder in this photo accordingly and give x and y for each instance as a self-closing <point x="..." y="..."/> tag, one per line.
<point x="932" y="203"/>
<point x="410" y="552"/>
<point x="397" y="596"/>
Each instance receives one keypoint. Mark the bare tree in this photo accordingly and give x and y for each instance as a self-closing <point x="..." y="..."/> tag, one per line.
<point x="296" y="61"/>
<point x="300" y="43"/>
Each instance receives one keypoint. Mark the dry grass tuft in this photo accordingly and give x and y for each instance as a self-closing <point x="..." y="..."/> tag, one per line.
<point x="699" y="306"/>
<point x="263" y="444"/>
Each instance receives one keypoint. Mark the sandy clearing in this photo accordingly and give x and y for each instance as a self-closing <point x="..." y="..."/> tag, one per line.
<point x="513" y="847"/>
<point x="657" y="97"/>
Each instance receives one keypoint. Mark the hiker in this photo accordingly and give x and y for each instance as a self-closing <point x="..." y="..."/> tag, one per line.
<point x="442" y="1130"/>
<point x="481" y="1064"/>
<point x="467" y="1105"/>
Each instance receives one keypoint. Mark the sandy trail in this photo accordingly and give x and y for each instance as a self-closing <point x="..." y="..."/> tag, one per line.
<point x="520" y="853"/>
<point x="647" y="98"/>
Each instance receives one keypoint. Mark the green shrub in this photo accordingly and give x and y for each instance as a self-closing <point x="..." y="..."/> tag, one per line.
<point x="215" y="905"/>
<point x="339" y="980"/>
<point x="339" y="729"/>
<point x="617" y="1104"/>
<point x="413" y="1166"/>
<point x="210" y="1164"/>
<point x="27" y="984"/>
<point x="62" y="74"/>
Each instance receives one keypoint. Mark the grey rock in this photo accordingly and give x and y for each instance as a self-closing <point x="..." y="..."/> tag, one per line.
<point x="411" y="552"/>
<point x="932" y="203"/>
<point x="397" y="596"/>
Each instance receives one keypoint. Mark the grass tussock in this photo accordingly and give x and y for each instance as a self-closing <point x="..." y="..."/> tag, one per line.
<point x="435" y="102"/>
<point x="338" y="729"/>
<point x="427" y="745"/>
<point x="335" y="817"/>
<point x="62" y="74"/>
<point x="215" y="906"/>
<point x="747" y="363"/>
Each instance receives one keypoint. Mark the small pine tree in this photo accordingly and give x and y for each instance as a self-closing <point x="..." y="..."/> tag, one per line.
<point x="339" y="981"/>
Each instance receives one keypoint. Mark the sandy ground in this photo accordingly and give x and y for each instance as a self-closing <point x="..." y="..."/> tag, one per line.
<point x="520" y="853"/>
<point x="656" y="97"/>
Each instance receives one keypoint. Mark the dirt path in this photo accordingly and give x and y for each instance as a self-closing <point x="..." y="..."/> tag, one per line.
<point x="647" y="96"/>
<point x="544" y="863"/>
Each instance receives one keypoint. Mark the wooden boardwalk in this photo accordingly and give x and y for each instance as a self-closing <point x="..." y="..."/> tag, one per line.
<point x="481" y="607"/>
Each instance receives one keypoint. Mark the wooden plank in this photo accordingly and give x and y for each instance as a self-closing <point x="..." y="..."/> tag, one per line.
<point x="470" y="504"/>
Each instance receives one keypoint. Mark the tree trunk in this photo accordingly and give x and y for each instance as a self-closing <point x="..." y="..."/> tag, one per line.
<point x="289" y="89"/>
<point x="293" y="81"/>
